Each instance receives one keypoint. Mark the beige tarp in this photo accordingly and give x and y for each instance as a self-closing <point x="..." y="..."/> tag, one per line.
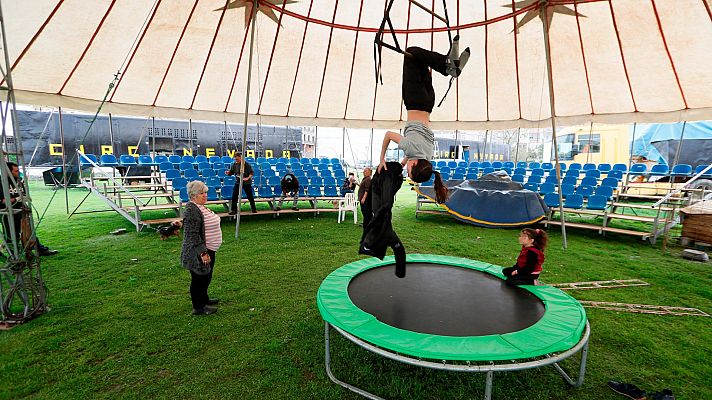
<point x="616" y="61"/>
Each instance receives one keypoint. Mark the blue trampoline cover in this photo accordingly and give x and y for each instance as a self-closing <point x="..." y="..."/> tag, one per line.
<point x="491" y="201"/>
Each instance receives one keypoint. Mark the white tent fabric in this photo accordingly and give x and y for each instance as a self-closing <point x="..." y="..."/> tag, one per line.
<point x="613" y="61"/>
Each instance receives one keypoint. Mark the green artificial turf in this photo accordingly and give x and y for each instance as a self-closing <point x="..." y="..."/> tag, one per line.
<point x="120" y="324"/>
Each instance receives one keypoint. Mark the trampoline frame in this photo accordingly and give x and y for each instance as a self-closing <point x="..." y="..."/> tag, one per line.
<point x="444" y="360"/>
<point x="549" y="359"/>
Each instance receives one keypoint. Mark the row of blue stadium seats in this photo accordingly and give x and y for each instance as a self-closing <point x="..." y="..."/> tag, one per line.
<point x="110" y="160"/>
<point x="576" y="201"/>
<point x="301" y="175"/>
<point x="226" y="192"/>
<point x="216" y="181"/>
<point x="566" y="190"/>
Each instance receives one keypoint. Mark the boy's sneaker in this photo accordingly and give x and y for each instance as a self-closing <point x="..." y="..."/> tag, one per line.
<point x="627" y="389"/>
<point x="454" y="54"/>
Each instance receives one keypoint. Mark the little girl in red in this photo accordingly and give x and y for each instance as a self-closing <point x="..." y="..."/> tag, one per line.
<point x="528" y="265"/>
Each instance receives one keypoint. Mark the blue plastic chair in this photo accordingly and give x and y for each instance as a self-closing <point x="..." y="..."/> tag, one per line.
<point x="183" y="194"/>
<point x="472" y="176"/>
<point x="538" y="171"/>
<point x="604" y="168"/>
<point x="452" y="164"/>
<point x="522" y="164"/>
<point x="166" y="166"/>
<point x="593" y="173"/>
<point x="185" y="166"/>
<point x="681" y="170"/>
<point x="175" y="160"/>
<point x="330" y="191"/>
<point x="534" y="165"/>
<point x="160" y="158"/>
<point x="462" y="164"/>
<point x="597" y="202"/>
<point x="457" y="176"/>
<point x="567" y="190"/>
<point x="531" y="186"/>
<point x="535" y="179"/>
<point x="605" y="191"/>
<point x="507" y="170"/>
<point x="214" y="159"/>
<point x="589" y="166"/>
<point x="88" y="159"/>
<point x="551" y="179"/>
<point x="547" y="166"/>
<point x="701" y="168"/>
<point x="619" y="167"/>
<point x="227" y="160"/>
<point x="229" y="180"/>
<point x="172" y="174"/>
<point x="487" y="170"/>
<point x="584" y="191"/>
<point x="265" y="191"/>
<point x="520" y="171"/>
<point x="461" y="170"/>
<point x="589" y="181"/>
<point x="127" y="160"/>
<point x="179" y="183"/>
<point x="573" y="173"/>
<point x="569" y="180"/>
<point x="551" y="200"/>
<point x="201" y="159"/>
<point x="146" y="159"/>
<point x="497" y="165"/>
<point x="638" y="169"/>
<point x="208" y="173"/>
<point x="191" y="174"/>
<point x="659" y="170"/>
<point x="314" y="191"/>
<point x="317" y="180"/>
<point x="574" y="166"/>
<point x="213" y="181"/>
<point x="518" y="178"/>
<point x="573" y="201"/>
<point x="616" y="174"/>
<point x="226" y="192"/>
<point x="610" y="182"/>
<point x="547" y="188"/>
<point x="204" y="165"/>
<point x="474" y="164"/>
<point x="485" y="164"/>
<point x="508" y="164"/>
<point x="108" y="160"/>
<point x="212" y="193"/>
<point x="188" y="159"/>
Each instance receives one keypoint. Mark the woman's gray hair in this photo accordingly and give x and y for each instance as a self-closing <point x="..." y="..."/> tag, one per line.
<point x="195" y="188"/>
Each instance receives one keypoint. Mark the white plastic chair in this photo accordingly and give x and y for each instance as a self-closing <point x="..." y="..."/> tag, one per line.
<point x="348" y="203"/>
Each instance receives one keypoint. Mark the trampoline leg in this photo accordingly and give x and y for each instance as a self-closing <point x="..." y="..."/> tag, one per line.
<point x="582" y="369"/>
<point x="488" y="385"/>
<point x="327" y="363"/>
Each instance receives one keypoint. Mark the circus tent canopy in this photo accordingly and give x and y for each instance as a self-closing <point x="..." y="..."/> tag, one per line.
<point x="612" y="60"/>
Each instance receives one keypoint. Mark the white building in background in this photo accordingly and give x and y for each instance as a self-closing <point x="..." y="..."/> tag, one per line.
<point x="308" y="141"/>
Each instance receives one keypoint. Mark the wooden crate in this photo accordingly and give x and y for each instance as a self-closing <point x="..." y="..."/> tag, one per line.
<point x="697" y="222"/>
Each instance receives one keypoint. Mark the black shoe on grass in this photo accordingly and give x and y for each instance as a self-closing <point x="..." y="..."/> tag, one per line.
<point x="627" y="389"/>
<point x="665" y="394"/>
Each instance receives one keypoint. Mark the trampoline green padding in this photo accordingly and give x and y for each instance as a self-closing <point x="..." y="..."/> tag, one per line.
<point x="453" y="311"/>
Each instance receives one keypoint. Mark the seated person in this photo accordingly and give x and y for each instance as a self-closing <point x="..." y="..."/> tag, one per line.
<point x="290" y="186"/>
<point x="349" y="185"/>
<point x="529" y="262"/>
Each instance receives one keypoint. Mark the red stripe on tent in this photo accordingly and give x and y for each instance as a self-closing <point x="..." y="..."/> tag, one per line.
<point x="403" y="31"/>
<point x="583" y="56"/>
<point x="84" y="53"/>
<point x="620" y="47"/>
<point x="271" y="56"/>
<point x="353" y="60"/>
<point x="326" y="62"/>
<point x="484" y="3"/>
<point x="516" y="63"/>
<point x="707" y="7"/>
<point x="32" y="41"/>
<point x="299" y="60"/>
<point x="140" y="40"/>
<point x="667" y="50"/>
<point x="210" y="51"/>
<point x="168" y="68"/>
<point x="237" y="68"/>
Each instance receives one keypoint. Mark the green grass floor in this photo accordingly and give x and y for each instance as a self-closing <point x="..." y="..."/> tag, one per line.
<point x="120" y="324"/>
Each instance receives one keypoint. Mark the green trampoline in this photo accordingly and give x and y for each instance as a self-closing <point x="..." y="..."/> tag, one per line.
<point x="453" y="314"/>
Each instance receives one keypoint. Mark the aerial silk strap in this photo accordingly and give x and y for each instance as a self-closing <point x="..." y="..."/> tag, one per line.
<point x="379" y="43"/>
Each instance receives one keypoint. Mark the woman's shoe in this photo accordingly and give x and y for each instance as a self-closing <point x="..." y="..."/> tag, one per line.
<point x="205" y="310"/>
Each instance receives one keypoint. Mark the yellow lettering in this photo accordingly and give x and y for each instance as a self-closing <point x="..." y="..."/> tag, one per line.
<point x="133" y="151"/>
<point x="55" y="149"/>
<point x="187" y="152"/>
<point x="286" y="154"/>
<point x="81" y="148"/>
<point x="106" y="150"/>
<point x="251" y="153"/>
<point x="209" y="152"/>
<point x="269" y="154"/>
<point x="231" y="153"/>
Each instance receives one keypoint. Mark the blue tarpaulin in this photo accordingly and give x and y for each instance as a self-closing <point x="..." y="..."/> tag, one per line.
<point x="491" y="202"/>
<point x="658" y="142"/>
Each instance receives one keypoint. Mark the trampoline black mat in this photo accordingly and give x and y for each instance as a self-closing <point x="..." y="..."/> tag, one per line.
<point x="444" y="300"/>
